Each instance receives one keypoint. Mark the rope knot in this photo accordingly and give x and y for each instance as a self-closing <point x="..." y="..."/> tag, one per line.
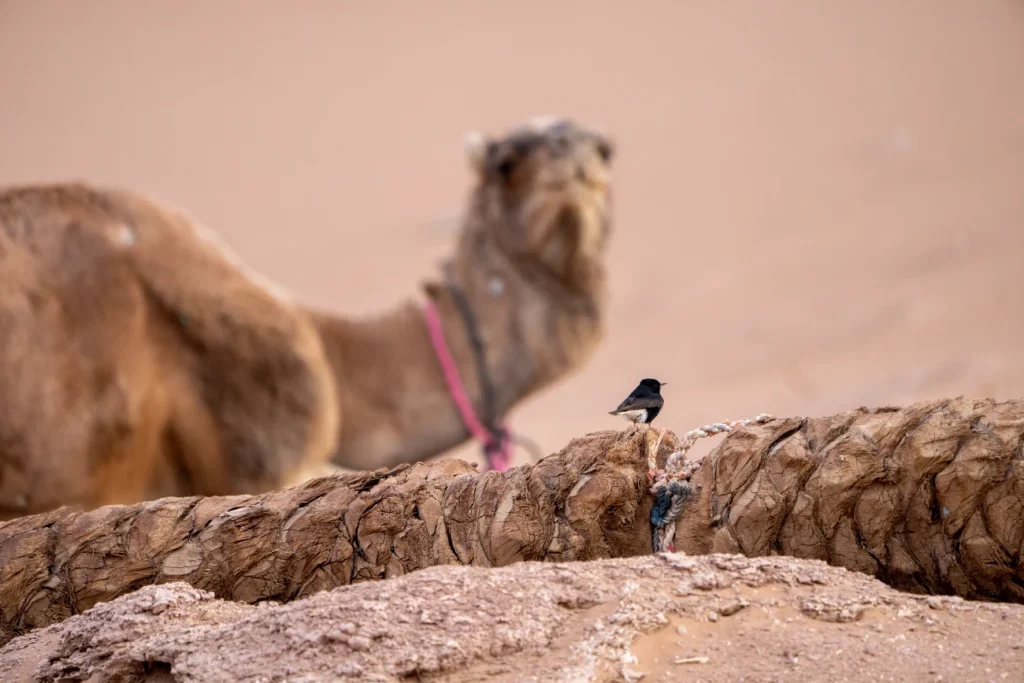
<point x="671" y="487"/>
<point x="668" y="502"/>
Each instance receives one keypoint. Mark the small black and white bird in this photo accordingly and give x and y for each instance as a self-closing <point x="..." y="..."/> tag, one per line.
<point x="644" y="404"/>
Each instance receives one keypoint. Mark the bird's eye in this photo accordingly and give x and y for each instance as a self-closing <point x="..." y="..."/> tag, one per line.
<point x="605" y="150"/>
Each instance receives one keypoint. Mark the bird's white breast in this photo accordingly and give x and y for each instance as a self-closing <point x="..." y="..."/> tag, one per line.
<point x="635" y="415"/>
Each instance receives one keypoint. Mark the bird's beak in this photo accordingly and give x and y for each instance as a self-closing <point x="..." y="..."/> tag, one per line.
<point x="664" y="383"/>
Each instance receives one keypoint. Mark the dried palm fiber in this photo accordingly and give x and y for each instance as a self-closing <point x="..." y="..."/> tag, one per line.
<point x="928" y="498"/>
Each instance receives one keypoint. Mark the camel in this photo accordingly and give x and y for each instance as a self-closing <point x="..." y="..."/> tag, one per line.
<point x="926" y="498"/>
<point x="141" y="358"/>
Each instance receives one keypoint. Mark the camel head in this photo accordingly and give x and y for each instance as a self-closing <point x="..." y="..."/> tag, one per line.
<point x="543" y="196"/>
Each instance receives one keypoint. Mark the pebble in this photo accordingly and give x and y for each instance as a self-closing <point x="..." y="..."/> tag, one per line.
<point x="359" y="643"/>
<point x="735" y="607"/>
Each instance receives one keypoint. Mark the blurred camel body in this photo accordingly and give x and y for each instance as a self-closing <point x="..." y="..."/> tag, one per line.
<point x="142" y="359"/>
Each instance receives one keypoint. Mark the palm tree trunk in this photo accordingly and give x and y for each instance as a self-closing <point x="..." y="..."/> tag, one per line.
<point x="586" y="502"/>
<point x="929" y="498"/>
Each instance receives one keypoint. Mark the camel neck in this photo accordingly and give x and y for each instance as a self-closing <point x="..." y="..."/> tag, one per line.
<point x="394" y="400"/>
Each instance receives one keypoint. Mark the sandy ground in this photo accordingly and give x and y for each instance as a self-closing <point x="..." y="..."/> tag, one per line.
<point x="820" y="205"/>
<point x="656" y="618"/>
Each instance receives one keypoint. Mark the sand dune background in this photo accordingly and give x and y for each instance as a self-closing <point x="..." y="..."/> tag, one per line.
<point x="820" y="205"/>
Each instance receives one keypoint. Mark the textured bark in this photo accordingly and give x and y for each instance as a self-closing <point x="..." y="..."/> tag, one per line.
<point x="588" y="501"/>
<point x="928" y="498"/>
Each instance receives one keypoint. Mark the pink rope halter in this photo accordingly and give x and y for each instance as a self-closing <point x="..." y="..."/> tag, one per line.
<point x="496" y="443"/>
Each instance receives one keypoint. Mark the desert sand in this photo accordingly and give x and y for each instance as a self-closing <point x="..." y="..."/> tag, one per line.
<point x="657" y="618"/>
<point x="819" y="205"/>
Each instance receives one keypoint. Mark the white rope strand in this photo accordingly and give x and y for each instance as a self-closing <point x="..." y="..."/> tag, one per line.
<point x="671" y="487"/>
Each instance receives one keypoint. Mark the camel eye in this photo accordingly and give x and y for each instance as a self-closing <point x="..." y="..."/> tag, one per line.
<point x="505" y="167"/>
<point x="507" y="159"/>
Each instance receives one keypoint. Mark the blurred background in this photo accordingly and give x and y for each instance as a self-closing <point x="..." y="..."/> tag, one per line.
<point x="819" y="203"/>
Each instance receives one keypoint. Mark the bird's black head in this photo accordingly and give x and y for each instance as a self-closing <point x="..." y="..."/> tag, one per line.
<point x="652" y="384"/>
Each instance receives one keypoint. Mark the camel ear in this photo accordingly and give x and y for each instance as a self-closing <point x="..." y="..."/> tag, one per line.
<point x="476" y="147"/>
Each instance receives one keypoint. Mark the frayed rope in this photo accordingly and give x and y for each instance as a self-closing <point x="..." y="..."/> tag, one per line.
<point x="669" y="496"/>
<point x="671" y="487"/>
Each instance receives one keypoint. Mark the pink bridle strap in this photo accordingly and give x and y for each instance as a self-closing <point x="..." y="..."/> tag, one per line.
<point x="496" y="445"/>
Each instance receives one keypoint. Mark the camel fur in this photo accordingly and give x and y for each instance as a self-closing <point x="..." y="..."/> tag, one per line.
<point x="142" y="359"/>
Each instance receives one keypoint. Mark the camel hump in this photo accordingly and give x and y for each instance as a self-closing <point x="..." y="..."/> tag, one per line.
<point x="248" y="386"/>
<point x="76" y="237"/>
<point x="77" y="372"/>
<point x="261" y="365"/>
